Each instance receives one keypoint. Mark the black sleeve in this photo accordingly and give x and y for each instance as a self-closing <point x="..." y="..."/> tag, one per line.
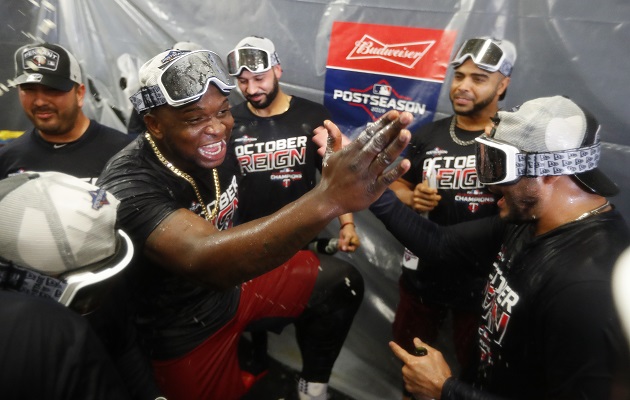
<point x="474" y="243"/>
<point x="458" y="390"/>
<point x="585" y="365"/>
<point x="145" y="200"/>
<point x="50" y="352"/>
<point x="113" y="323"/>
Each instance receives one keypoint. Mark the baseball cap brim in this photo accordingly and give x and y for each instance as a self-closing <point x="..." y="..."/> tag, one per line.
<point x="55" y="82"/>
<point x="88" y="285"/>
<point x="596" y="182"/>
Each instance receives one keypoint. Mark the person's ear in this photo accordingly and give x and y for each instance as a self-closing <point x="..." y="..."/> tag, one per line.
<point x="503" y="85"/>
<point x="153" y="126"/>
<point x="277" y="71"/>
<point x="80" y="94"/>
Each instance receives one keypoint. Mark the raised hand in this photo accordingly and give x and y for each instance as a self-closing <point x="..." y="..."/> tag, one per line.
<point x="356" y="175"/>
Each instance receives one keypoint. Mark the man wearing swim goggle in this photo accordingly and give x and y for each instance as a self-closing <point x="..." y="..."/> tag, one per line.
<point x="500" y="163"/>
<point x="443" y="185"/>
<point x="548" y="326"/>
<point x="199" y="281"/>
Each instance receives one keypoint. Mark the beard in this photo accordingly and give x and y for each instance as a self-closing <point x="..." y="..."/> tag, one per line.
<point x="520" y="214"/>
<point x="268" y="98"/>
<point x="521" y="204"/>
<point x="477" y="106"/>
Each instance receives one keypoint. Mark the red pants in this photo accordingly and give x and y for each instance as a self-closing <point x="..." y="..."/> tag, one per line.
<point x="211" y="370"/>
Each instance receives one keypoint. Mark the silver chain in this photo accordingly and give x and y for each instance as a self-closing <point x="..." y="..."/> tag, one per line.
<point x="457" y="140"/>
<point x="594" y="211"/>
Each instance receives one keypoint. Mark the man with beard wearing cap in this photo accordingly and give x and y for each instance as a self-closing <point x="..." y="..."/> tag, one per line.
<point x="63" y="139"/>
<point x="272" y="142"/>
<point x="269" y="125"/>
<point x="548" y="325"/>
<point x="442" y="184"/>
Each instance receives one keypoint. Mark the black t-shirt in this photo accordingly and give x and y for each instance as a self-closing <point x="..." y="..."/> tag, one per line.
<point x="83" y="158"/>
<point x="548" y="327"/>
<point x="278" y="159"/>
<point x="464" y="198"/>
<point x="50" y="352"/>
<point x="174" y="314"/>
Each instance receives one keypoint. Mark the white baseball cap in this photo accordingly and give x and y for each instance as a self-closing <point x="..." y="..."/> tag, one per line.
<point x="58" y="235"/>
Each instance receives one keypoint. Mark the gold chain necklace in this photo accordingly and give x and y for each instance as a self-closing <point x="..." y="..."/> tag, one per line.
<point x="182" y="174"/>
<point x="457" y="140"/>
<point x="594" y="211"/>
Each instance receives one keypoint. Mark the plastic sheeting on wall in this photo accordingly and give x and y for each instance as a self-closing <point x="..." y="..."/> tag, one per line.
<point x="573" y="47"/>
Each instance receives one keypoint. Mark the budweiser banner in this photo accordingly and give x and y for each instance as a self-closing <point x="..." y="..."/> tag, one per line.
<point x="372" y="69"/>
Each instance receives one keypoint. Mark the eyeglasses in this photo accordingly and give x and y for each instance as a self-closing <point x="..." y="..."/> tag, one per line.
<point x="253" y="59"/>
<point x="485" y="53"/>
<point x="184" y="81"/>
<point x="79" y="291"/>
<point x="498" y="162"/>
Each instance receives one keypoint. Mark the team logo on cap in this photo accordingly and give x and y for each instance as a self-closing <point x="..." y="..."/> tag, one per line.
<point x="173" y="54"/>
<point x="40" y="58"/>
<point x="99" y="198"/>
<point x="34" y="78"/>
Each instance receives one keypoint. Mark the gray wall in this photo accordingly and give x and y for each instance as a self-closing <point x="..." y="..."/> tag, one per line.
<point x="576" y="48"/>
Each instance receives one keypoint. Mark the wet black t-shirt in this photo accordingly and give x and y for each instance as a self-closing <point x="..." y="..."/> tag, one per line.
<point x="174" y="314"/>
<point x="548" y="327"/>
<point x="50" y="352"/>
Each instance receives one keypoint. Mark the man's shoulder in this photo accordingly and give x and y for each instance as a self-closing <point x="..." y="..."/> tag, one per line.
<point x="131" y="172"/>
<point x="131" y="157"/>
<point x="21" y="148"/>
<point x="436" y="125"/>
<point x="113" y="135"/>
<point x="240" y="110"/>
<point x="134" y="164"/>
<point x="19" y="142"/>
<point x="431" y="133"/>
<point x="310" y="104"/>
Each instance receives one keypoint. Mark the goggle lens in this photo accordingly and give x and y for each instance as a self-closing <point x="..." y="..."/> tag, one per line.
<point x="484" y="53"/>
<point x="188" y="78"/>
<point x="498" y="162"/>
<point x="491" y="164"/>
<point x="252" y="58"/>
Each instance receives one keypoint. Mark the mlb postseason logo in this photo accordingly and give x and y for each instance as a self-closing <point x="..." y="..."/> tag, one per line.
<point x="372" y="69"/>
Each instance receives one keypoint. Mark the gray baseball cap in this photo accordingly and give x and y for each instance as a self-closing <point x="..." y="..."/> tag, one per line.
<point x="569" y="133"/>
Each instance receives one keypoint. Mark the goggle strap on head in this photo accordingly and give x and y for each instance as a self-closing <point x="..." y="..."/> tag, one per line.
<point x="521" y="164"/>
<point x="275" y="60"/>
<point x="147" y="97"/>
<point x="506" y="68"/>
<point x="17" y="279"/>
<point x="567" y="162"/>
